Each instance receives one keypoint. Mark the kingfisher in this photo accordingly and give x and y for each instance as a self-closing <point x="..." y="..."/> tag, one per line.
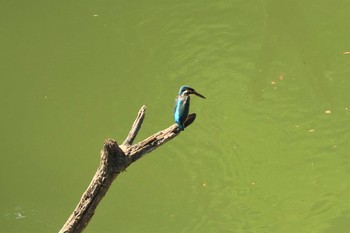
<point x="182" y="105"/>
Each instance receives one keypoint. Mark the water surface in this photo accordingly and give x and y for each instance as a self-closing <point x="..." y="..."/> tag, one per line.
<point x="268" y="152"/>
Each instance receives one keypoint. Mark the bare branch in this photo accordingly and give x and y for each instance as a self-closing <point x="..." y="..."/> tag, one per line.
<point x="114" y="160"/>
<point x="151" y="143"/>
<point x="135" y="127"/>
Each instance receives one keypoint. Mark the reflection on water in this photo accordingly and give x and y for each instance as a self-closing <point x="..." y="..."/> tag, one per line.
<point x="19" y="214"/>
<point x="21" y="219"/>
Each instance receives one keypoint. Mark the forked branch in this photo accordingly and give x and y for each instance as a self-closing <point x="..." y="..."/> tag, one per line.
<point x="114" y="160"/>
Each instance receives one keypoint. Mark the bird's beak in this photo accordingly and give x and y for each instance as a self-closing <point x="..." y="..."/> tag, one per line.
<point x="197" y="94"/>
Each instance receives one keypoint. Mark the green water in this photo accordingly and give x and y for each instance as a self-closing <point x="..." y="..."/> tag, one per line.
<point x="268" y="152"/>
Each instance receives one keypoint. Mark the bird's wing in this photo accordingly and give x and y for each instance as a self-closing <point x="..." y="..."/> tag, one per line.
<point x="183" y="105"/>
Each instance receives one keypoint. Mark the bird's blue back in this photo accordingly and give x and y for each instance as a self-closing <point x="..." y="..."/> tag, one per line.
<point x="182" y="105"/>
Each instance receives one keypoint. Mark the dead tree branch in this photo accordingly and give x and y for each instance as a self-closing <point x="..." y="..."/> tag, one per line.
<point x="114" y="160"/>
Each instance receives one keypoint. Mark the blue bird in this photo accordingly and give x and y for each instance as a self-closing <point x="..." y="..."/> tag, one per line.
<point x="182" y="105"/>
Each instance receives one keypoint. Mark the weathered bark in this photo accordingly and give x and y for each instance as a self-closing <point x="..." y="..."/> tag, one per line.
<point x="114" y="160"/>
